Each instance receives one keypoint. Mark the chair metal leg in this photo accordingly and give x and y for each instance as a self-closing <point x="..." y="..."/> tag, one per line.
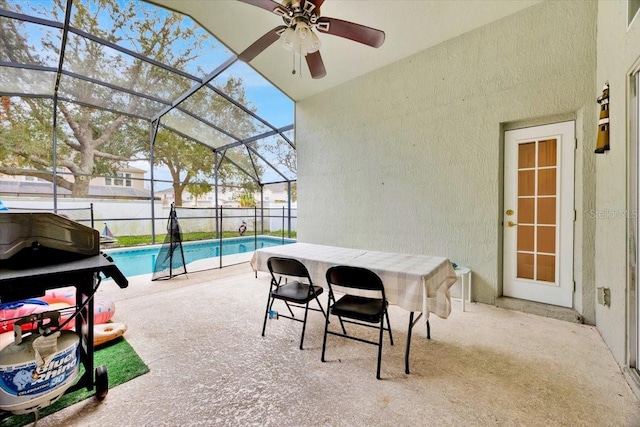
<point x="266" y="313"/>
<point x="324" y="338"/>
<point x="331" y="297"/>
<point x="344" y="331"/>
<point x="304" y="323"/>
<point x="290" y="311"/>
<point x="380" y="347"/>
<point x="389" y="326"/>
<point x="321" y="308"/>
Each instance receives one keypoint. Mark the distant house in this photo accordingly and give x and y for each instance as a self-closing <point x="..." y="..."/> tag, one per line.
<point x="127" y="176"/>
<point x="128" y="183"/>
<point x="275" y="193"/>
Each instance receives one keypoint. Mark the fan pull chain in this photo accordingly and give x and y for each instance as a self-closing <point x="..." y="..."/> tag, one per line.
<point x="293" y="60"/>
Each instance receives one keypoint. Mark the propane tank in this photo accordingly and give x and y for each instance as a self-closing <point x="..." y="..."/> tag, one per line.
<point x="37" y="369"/>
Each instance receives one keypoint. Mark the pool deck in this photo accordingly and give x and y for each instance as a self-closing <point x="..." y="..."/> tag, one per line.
<point x="210" y="366"/>
<point x="227" y="260"/>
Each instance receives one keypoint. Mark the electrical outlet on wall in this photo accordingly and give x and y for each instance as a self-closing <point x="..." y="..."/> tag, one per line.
<point x="604" y="296"/>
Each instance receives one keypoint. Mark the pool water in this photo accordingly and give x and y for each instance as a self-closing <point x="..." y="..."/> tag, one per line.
<point x="136" y="261"/>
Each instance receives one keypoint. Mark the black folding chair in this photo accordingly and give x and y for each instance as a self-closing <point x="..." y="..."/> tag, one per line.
<point x="296" y="293"/>
<point x="364" y="311"/>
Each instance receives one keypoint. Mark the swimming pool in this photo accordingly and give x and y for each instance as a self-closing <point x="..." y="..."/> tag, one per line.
<point x="142" y="260"/>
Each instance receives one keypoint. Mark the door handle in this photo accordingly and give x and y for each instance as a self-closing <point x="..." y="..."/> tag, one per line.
<point x="511" y="224"/>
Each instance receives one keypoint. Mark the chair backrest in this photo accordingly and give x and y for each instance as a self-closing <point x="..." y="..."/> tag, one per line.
<point x="287" y="267"/>
<point x="356" y="278"/>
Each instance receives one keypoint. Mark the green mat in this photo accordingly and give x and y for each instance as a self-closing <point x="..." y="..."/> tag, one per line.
<point x="123" y="364"/>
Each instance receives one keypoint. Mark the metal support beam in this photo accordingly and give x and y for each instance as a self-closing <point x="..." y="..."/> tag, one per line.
<point x="193" y="89"/>
<point x="153" y="132"/>
<point x="215" y="175"/>
<point x="63" y="46"/>
<point x="259" y="137"/>
<point x="289" y="206"/>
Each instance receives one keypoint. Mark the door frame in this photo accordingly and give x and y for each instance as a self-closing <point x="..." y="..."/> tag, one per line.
<point x="633" y="225"/>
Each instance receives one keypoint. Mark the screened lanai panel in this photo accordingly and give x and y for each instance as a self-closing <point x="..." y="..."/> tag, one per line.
<point x="267" y="101"/>
<point x="28" y="82"/>
<point x="102" y="162"/>
<point x="166" y="36"/>
<point x="196" y="129"/>
<point x="97" y="61"/>
<point x="241" y="158"/>
<point x="290" y="135"/>
<point x="26" y="43"/>
<point x="215" y="109"/>
<point x="44" y="9"/>
<point x="277" y="159"/>
<point x="85" y="92"/>
<point x="26" y="147"/>
<point x="150" y="59"/>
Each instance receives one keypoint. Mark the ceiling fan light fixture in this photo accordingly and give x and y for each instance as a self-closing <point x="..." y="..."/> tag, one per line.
<point x="300" y="39"/>
<point x="302" y="31"/>
<point x="309" y="41"/>
<point x="288" y="39"/>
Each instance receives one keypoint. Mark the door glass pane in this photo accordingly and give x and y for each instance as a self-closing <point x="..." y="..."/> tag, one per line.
<point x="525" y="266"/>
<point x="525" y="210"/>
<point x="547" y="153"/>
<point x="547" y="182"/>
<point x="526" y="183"/>
<point x="527" y="155"/>
<point x="525" y="238"/>
<point x="546" y="268"/>
<point x="547" y="210"/>
<point x="546" y="239"/>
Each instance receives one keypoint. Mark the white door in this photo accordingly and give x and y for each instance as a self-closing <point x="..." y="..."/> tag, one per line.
<point x="539" y="214"/>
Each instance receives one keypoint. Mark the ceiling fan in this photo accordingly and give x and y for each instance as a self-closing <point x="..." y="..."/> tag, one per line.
<point x="300" y="18"/>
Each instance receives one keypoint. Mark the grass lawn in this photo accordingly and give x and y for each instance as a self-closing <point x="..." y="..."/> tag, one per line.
<point x="125" y="241"/>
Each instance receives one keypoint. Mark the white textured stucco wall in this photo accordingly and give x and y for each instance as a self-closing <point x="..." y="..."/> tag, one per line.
<point x="618" y="49"/>
<point x="408" y="158"/>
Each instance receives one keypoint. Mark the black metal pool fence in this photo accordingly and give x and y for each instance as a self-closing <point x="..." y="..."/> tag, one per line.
<point x="212" y="222"/>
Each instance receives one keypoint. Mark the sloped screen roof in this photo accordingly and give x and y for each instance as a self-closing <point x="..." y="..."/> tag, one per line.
<point x="141" y="64"/>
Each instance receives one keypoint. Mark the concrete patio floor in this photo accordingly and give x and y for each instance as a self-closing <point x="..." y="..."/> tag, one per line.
<point x="200" y="336"/>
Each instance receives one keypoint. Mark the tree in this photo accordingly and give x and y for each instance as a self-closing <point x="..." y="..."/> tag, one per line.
<point x="91" y="140"/>
<point x="192" y="166"/>
<point x="285" y="155"/>
<point x="188" y="163"/>
<point x="198" y="190"/>
<point x="192" y="163"/>
<point x="246" y="200"/>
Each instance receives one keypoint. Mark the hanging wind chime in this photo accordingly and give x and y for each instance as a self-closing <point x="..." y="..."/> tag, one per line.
<point x="602" y="143"/>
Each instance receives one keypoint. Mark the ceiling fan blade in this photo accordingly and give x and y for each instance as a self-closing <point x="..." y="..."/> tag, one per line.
<point x="269" y="5"/>
<point x="261" y="44"/>
<point x="316" y="65"/>
<point x="352" y="31"/>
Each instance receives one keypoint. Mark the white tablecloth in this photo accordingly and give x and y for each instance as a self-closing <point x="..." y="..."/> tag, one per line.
<point x="413" y="282"/>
